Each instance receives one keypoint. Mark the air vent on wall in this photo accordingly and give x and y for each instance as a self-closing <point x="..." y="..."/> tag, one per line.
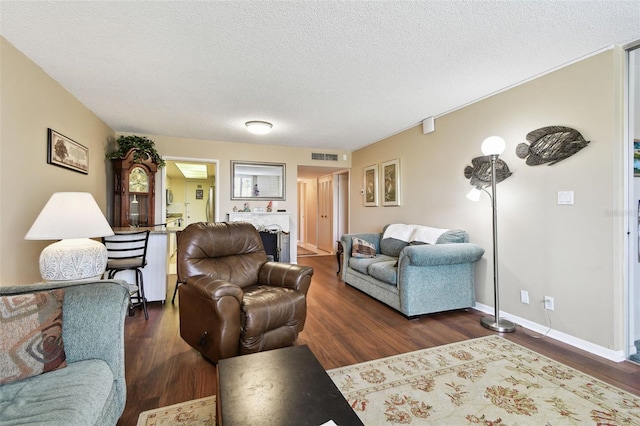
<point x="325" y="157"/>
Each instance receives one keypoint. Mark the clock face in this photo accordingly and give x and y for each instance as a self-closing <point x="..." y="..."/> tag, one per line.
<point x="138" y="180"/>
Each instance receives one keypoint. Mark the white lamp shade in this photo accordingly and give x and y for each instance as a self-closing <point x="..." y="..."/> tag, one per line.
<point x="474" y="194"/>
<point x="493" y="145"/>
<point x="259" y="127"/>
<point x="69" y="215"/>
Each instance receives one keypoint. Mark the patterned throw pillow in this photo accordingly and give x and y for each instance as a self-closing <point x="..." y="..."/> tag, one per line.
<point x="362" y="248"/>
<point x="31" y="335"/>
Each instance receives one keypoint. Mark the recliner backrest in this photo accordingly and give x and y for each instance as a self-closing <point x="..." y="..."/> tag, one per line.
<point x="231" y="251"/>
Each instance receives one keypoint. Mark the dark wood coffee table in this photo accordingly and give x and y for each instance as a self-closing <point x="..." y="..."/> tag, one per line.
<point x="280" y="387"/>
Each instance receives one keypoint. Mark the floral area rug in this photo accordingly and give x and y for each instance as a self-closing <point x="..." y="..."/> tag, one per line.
<point x="486" y="381"/>
<point x="198" y="412"/>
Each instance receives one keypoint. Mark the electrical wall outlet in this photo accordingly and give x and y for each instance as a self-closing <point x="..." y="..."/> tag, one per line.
<point x="524" y="296"/>
<point x="548" y="303"/>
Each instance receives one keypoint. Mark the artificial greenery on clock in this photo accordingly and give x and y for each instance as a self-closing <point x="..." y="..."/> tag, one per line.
<point x="144" y="149"/>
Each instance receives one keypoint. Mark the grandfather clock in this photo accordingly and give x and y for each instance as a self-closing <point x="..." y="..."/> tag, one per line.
<point x="134" y="192"/>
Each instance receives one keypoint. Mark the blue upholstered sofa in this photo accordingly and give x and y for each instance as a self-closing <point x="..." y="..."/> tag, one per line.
<point x="416" y="269"/>
<point x="91" y="389"/>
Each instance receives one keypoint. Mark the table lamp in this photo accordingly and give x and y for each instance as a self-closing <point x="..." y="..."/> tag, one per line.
<point x="73" y="218"/>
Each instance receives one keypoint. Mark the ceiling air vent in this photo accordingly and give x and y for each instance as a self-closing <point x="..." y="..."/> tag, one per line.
<point x="325" y="157"/>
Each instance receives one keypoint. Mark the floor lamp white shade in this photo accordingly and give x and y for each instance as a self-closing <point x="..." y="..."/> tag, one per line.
<point x="493" y="145"/>
<point x="73" y="218"/>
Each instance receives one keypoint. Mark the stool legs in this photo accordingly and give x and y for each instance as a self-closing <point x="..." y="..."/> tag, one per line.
<point x="139" y="293"/>
<point x="175" y="291"/>
<point x="141" y="297"/>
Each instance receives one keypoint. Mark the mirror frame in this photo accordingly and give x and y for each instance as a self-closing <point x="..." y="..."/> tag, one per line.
<point x="280" y="166"/>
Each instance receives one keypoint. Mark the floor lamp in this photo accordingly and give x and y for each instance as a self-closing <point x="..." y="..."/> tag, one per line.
<point x="492" y="147"/>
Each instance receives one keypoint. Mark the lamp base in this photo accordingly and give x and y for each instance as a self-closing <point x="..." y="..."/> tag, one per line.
<point x="73" y="259"/>
<point x="501" y="326"/>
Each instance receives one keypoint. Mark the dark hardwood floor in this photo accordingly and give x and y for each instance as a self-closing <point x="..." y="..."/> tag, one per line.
<point x="344" y="326"/>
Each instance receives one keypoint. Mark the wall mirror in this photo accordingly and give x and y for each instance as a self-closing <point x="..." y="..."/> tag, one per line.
<point x="257" y="181"/>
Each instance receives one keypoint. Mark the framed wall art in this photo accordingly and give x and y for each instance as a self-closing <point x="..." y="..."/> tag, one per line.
<point x="391" y="183"/>
<point x="371" y="186"/>
<point x="65" y="152"/>
<point x="636" y="157"/>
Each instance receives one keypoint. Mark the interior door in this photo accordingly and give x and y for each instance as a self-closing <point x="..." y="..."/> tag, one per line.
<point x="325" y="213"/>
<point x="302" y="212"/>
<point x="196" y="201"/>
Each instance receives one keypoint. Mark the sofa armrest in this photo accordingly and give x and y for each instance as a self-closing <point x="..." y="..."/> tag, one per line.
<point x="277" y="274"/>
<point x="440" y="254"/>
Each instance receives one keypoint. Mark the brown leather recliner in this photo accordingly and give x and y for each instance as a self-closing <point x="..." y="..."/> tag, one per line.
<point x="234" y="301"/>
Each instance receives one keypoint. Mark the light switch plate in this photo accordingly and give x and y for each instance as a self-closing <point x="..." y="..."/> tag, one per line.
<point x="565" y="197"/>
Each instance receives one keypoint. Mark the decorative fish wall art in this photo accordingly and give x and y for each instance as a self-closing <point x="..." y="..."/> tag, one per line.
<point x="480" y="171"/>
<point x="551" y="145"/>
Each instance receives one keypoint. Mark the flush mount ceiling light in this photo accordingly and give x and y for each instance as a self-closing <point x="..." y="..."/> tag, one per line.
<point x="259" y="127"/>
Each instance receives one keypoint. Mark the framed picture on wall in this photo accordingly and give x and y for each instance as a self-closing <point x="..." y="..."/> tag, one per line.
<point x="65" y="152"/>
<point x="371" y="186"/>
<point x="636" y="157"/>
<point x="391" y="183"/>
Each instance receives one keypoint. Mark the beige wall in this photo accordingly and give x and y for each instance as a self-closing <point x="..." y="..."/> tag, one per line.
<point x="572" y="253"/>
<point x="225" y="152"/>
<point x="31" y="102"/>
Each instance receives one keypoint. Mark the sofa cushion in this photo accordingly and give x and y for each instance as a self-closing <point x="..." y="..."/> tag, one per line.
<point x="385" y="271"/>
<point x="31" y="334"/>
<point x="362" y="248"/>
<point x="71" y="396"/>
<point x="453" y="236"/>
<point x="392" y="246"/>
<point x="361" y="264"/>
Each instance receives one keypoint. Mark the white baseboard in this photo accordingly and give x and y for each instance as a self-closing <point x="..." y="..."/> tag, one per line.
<point x="616" y="356"/>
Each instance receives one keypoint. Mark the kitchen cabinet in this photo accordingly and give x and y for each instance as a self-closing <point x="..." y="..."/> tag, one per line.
<point x="134" y="192"/>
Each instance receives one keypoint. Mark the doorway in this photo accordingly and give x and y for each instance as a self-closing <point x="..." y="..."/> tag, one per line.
<point x="633" y="136"/>
<point x="190" y="195"/>
<point x="323" y="208"/>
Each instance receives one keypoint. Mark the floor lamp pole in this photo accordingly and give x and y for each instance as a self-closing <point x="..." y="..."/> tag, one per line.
<point x="496" y="323"/>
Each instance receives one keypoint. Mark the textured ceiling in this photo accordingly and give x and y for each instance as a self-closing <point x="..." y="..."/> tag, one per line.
<point x="328" y="74"/>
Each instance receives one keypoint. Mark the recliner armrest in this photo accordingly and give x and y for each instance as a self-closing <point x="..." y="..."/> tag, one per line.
<point x="207" y="286"/>
<point x="210" y="316"/>
<point x="276" y="274"/>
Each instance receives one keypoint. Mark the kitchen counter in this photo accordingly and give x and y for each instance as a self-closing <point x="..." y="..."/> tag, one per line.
<point x="158" y="229"/>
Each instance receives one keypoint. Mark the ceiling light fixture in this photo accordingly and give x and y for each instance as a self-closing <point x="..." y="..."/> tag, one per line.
<point x="259" y="127"/>
<point x="192" y="171"/>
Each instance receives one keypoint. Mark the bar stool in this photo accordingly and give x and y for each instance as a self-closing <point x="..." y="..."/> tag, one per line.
<point x="128" y="252"/>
